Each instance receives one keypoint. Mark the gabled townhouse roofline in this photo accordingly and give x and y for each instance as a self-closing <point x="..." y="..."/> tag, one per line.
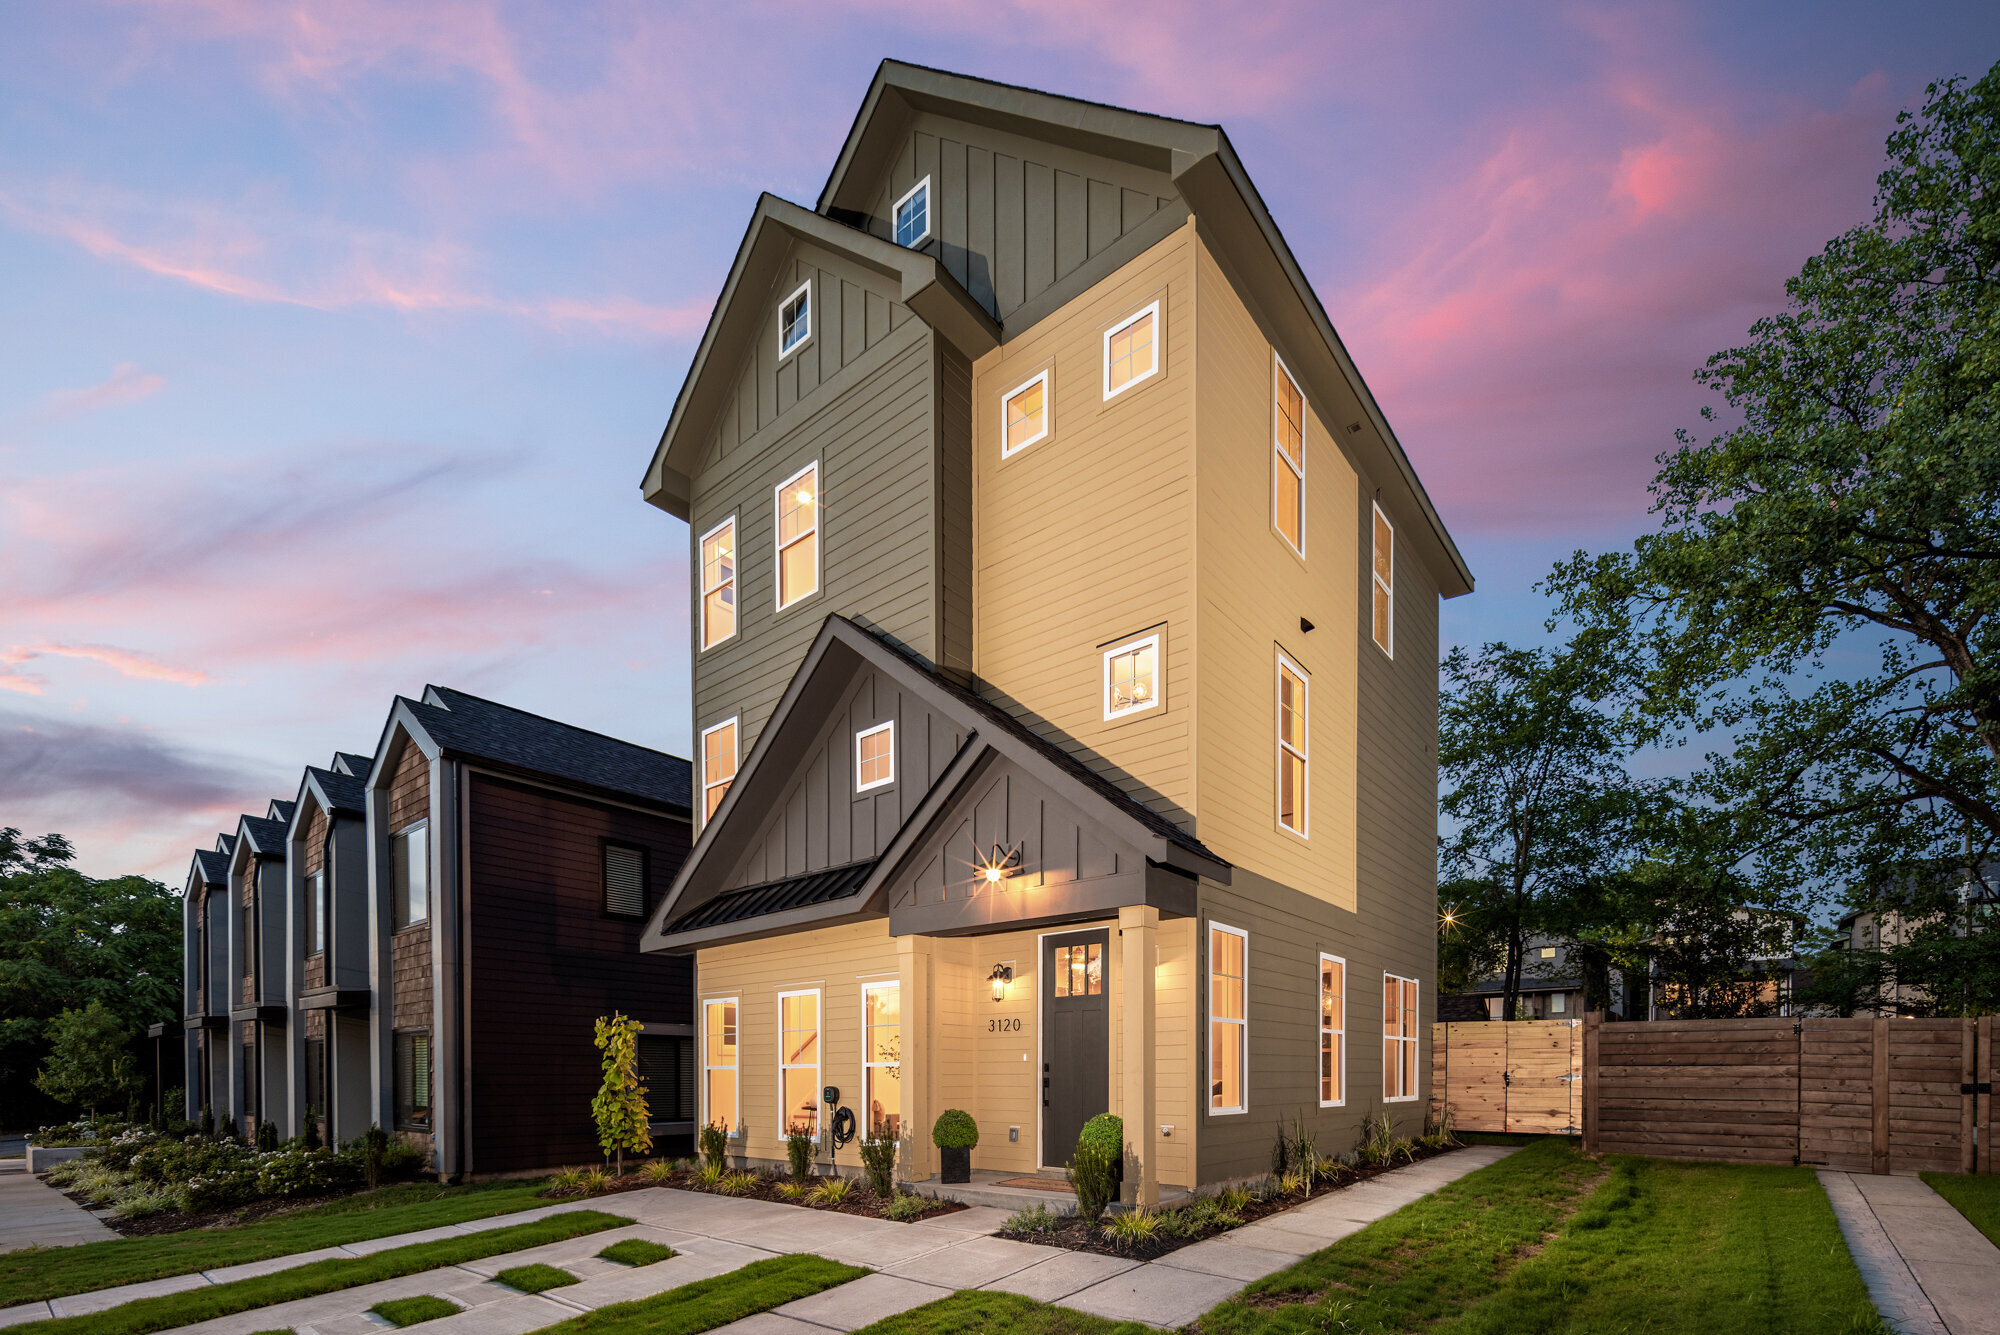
<point x="331" y="791"/>
<point x="261" y="835"/>
<point x="210" y="867"/>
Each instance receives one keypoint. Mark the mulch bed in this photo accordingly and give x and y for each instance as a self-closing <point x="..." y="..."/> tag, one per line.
<point x="176" y="1221"/>
<point x="861" y="1199"/>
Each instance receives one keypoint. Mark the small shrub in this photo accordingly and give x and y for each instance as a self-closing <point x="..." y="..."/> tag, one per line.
<point x="374" y="1148"/>
<point x="267" y="1136"/>
<point x="1107" y="1132"/>
<point x="657" y="1171"/>
<point x="1093" y="1168"/>
<point x="799" y="1154"/>
<point x="682" y="1165"/>
<point x="1235" y="1199"/>
<point x="737" y="1184"/>
<point x="955" y="1130"/>
<point x="309" y="1130"/>
<point x="593" y="1181"/>
<point x="401" y="1159"/>
<point x="536" y="1278"/>
<point x="878" y="1160"/>
<point x="1378" y="1139"/>
<point x="789" y="1190"/>
<point x="1134" y="1226"/>
<point x="1296" y="1181"/>
<point x="139" y="1202"/>
<point x="709" y="1176"/>
<point x="1438" y="1129"/>
<point x="638" y="1251"/>
<point x="1029" y="1222"/>
<point x="409" y="1311"/>
<point x="714" y="1146"/>
<point x="833" y="1191"/>
<point x="207" y="1123"/>
<point x="566" y="1180"/>
<point x="908" y="1205"/>
<point x="228" y="1129"/>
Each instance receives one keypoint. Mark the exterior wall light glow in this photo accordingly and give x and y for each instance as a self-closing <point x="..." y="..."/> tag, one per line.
<point x="1002" y="975"/>
<point x="997" y="865"/>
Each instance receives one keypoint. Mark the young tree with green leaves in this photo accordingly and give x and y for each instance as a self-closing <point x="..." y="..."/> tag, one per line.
<point x="90" y="1060"/>
<point x="623" y="1119"/>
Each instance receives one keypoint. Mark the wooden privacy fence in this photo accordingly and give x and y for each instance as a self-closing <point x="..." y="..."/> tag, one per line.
<point x="1867" y="1095"/>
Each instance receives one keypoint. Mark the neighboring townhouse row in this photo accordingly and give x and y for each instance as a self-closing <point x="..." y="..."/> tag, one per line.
<point x="424" y="936"/>
<point x="1064" y="659"/>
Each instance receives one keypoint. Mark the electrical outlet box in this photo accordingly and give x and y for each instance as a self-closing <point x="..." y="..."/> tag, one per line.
<point x="1167" y="1131"/>
<point x="1014" y="1133"/>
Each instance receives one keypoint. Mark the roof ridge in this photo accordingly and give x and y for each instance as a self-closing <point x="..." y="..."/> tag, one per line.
<point x="544" y="718"/>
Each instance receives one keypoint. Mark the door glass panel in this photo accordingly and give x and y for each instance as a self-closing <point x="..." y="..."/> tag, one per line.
<point x="1094" y="970"/>
<point x="1061" y="971"/>
<point x="1077" y="984"/>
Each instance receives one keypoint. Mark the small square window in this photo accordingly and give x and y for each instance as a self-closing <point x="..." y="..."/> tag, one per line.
<point x="795" y="320"/>
<point x="875" y="756"/>
<point x="913" y="214"/>
<point x="1133" y="680"/>
<point x="1132" y="351"/>
<point x="1548" y="952"/>
<point x="1024" y="415"/>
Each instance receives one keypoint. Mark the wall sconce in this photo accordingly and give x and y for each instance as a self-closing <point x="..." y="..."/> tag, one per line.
<point x="996" y="866"/>
<point x="1002" y="975"/>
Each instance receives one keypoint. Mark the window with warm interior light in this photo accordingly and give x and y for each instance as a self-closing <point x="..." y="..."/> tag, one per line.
<point x="718" y="764"/>
<point x="1294" y="734"/>
<point x="718" y="583"/>
<point x="1024" y="414"/>
<point x="1288" y="457"/>
<point x="882" y="1060"/>
<point x="795" y="320"/>
<point x="798" y="1062"/>
<point x="410" y="870"/>
<point x="875" y="756"/>
<point x="798" y="535"/>
<point x="1228" y="1019"/>
<point x="1079" y="970"/>
<point x="1399" y="1038"/>
<point x="718" y="1063"/>
<point x="1133" y="680"/>
<point x="1132" y="351"/>
<point x="1332" y="1031"/>
<point x="913" y="214"/>
<point x="1383" y="579"/>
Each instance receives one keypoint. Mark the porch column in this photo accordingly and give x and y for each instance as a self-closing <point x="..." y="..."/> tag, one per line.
<point x="1138" y="934"/>
<point x="915" y="965"/>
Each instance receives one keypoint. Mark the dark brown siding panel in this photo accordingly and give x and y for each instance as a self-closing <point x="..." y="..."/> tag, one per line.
<point x="545" y="962"/>
<point x="409" y="787"/>
<point x="316" y="841"/>
<point x="410" y="977"/>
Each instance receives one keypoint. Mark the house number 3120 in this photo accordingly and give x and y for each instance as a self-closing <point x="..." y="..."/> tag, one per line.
<point x="1003" y="1026"/>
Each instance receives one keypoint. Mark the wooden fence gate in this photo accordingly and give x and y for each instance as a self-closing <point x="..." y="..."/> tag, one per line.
<point x="1524" y="1075"/>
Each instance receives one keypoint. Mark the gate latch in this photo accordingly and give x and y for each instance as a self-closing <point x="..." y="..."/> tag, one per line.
<point x="1983" y="1087"/>
<point x="1567" y="1079"/>
<point x="1506" y="1077"/>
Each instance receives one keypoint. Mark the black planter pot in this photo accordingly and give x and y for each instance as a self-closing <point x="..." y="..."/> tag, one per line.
<point x="954" y="1165"/>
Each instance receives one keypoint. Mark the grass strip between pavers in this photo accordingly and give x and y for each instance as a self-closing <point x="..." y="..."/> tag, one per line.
<point x="638" y="1251"/>
<point x="410" y="1311"/>
<point x="142" y="1316"/>
<point x="1977" y="1198"/>
<point x="708" y="1303"/>
<point x="536" y="1278"/>
<point x="977" y="1312"/>
<point x="58" y="1272"/>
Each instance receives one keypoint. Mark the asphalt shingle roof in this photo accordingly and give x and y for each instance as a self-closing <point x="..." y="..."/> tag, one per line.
<point x="225" y="844"/>
<point x="469" y="726"/>
<point x="281" y="809"/>
<point x="267" y="837"/>
<point x="344" y="791"/>
<point x="794" y="892"/>
<point x="357" y="765"/>
<point x="214" y="865"/>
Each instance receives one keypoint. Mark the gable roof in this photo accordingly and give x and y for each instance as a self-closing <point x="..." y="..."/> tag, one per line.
<point x="263" y="836"/>
<point x="211" y="866"/>
<point x="334" y="790"/>
<point x="225" y="844"/>
<point x="349" y="762"/>
<point x="793" y="892"/>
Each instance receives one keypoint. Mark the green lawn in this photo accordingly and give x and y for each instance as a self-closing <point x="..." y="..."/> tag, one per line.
<point x="978" y="1312"/>
<point x="146" y="1315"/>
<point x="638" y="1251"/>
<point x="536" y="1278"/>
<point x="409" y="1311"/>
<point x="55" y="1272"/>
<point x="708" y="1303"/>
<point x="1547" y="1241"/>
<point x="1977" y="1198"/>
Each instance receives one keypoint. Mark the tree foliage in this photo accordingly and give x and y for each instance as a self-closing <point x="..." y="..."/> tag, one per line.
<point x="623" y="1119"/>
<point x="90" y="1060"/>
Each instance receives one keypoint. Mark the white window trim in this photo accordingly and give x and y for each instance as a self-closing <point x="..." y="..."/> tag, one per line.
<point x="1279" y="459"/>
<point x="421" y="823"/>
<point x="923" y="187"/>
<point x="1048" y="414"/>
<point x="736" y="757"/>
<point x="896" y="985"/>
<point x="1341" y="1046"/>
<point x="1375" y="582"/>
<point x="1285" y="660"/>
<point x="1159" y="336"/>
<point x="701" y="581"/>
<point x="804" y="288"/>
<point x="859" y="737"/>
<point x="819" y="1056"/>
<point x="1416" y="1035"/>
<point x="1159" y="677"/>
<point x="735" y="1113"/>
<point x="778" y="546"/>
<point x="316" y="913"/>
<point x="1242" y="1048"/>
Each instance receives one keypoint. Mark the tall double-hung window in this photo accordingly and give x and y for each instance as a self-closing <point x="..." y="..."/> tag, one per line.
<point x="719" y="1063"/>
<point x="1288" y="457"/>
<point x="795" y="323"/>
<point x="1332" y="1031"/>
<point x="882" y="1059"/>
<point x="1383" y="580"/>
<point x="913" y="215"/>
<point x="718" y="764"/>
<point x="798" y="535"/>
<point x="798" y="1062"/>
<point x="316" y="895"/>
<point x="1294" y="737"/>
<point x="718" y="583"/>
<point x="1228" y="1019"/>
<point x="1399" y="1038"/>
<point x="410" y="875"/>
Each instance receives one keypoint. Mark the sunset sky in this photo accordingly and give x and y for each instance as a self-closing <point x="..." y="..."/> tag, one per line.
<point x="334" y="338"/>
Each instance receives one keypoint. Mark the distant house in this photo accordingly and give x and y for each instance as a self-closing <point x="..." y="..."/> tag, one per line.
<point x="1549" y="989"/>
<point x="1894" y="920"/>
<point x="205" y="977"/>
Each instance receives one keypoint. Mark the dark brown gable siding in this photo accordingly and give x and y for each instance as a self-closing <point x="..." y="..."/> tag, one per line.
<point x="316" y="841"/>
<point x="545" y="962"/>
<point x="410" y="949"/>
<point x="409" y="787"/>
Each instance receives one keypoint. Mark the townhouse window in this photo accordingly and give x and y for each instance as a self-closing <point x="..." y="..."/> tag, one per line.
<point x="1079" y="970"/>
<point x="798" y="535"/>
<point x="1548" y="952"/>
<point x="1294" y="732"/>
<point x="875" y="756"/>
<point x="718" y="765"/>
<point x="316" y="901"/>
<point x="1558" y="1002"/>
<point x="1133" y="681"/>
<point x="1383" y="580"/>
<point x="1228" y="1019"/>
<point x="1024" y="414"/>
<point x="913" y="214"/>
<point x="410" y="871"/>
<point x="316" y="1081"/>
<point x="1332" y="1031"/>
<point x="798" y="1062"/>
<point x="1288" y="457"/>
<point x="666" y="1065"/>
<point x="718" y="1064"/>
<point x="624" y="881"/>
<point x="795" y="320"/>
<point x="1132" y="351"/>
<point x="718" y="583"/>
<point x="413" y="1080"/>
<point x="882" y="1059"/>
<point x="1399" y="1038"/>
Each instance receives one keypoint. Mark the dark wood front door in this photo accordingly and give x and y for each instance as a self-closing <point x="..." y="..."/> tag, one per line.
<point x="1076" y="1048"/>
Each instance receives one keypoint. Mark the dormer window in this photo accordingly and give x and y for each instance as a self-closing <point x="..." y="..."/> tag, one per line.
<point x="795" y="320"/>
<point x="913" y="215"/>
<point x="875" y="756"/>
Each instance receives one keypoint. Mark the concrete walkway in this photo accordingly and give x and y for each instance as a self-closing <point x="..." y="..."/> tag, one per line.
<point x="33" y="1212"/>
<point x="1928" y="1269"/>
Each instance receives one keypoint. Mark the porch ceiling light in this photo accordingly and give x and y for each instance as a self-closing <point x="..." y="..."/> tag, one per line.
<point x="1002" y="975"/>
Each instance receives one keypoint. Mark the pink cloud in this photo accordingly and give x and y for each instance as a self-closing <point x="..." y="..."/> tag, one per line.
<point x="126" y="384"/>
<point x="125" y="662"/>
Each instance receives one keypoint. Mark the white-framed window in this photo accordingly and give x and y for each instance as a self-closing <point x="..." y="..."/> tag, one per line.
<point x="798" y="1062"/>
<point x="797" y="499"/>
<point x="718" y="583"/>
<point x="410" y="875"/>
<point x="1294" y="739"/>
<point x="912" y="214"/>
<point x="1024" y="414"/>
<point x="1558" y="1002"/>
<point x="1288" y="457"/>
<point x="1132" y="351"/>
<point x="795" y="320"/>
<point x="719" y="1059"/>
<point x="316" y="897"/>
<point x="1399" y="1039"/>
<point x="1134" y="677"/>
<point x="718" y="764"/>
<point x="1228" y="1019"/>
<point x="1383" y="577"/>
<point x="875" y="756"/>
<point x="1332" y="1031"/>
<point x="882" y="1061"/>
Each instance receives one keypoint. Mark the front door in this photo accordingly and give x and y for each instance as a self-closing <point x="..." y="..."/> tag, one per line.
<point x="1076" y="1050"/>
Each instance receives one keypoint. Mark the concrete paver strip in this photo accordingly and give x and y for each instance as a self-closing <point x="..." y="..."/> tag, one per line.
<point x="33" y="1213"/>
<point x="862" y="1302"/>
<point x="1240" y="1262"/>
<point x="1956" y="1265"/>
<point x="14" y="1316"/>
<point x="974" y="1263"/>
<point x="1891" y="1285"/>
<point x="1055" y="1279"/>
<point x="1155" y="1294"/>
<point x="978" y="1219"/>
<point x="770" y="1323"/>
<point x="81" y="1304"/>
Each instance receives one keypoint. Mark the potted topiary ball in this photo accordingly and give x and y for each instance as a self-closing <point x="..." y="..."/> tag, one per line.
<point x="955" y="1134"/>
